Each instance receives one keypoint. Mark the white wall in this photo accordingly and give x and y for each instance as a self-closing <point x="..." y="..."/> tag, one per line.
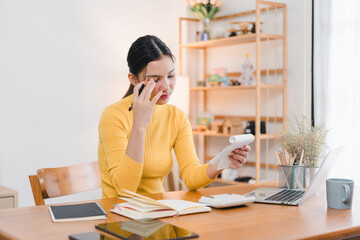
<point x="62" y="62"/>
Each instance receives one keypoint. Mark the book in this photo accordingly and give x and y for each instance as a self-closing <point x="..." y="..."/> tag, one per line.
<point x="236" y="141"/>
<point x="77" y="212"/>
<point x="141" y="207"/>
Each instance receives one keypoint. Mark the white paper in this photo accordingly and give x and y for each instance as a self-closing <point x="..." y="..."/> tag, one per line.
<point x="236" y="141"/>
<point x="180" y="205"/>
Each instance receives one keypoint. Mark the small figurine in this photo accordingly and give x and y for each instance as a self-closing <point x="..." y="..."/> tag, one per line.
<point x="247" y="76"/>
<point x="218" y="76"/>
<point x="204" y="121"/>
<point x="243" y="27"/>
<point x="234" y="82"/>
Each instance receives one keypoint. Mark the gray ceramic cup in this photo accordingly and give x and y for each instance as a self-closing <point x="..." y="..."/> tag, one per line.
<point x="339" y="193"/>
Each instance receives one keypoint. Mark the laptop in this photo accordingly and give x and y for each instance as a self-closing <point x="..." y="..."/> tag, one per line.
<point x="295" y="197"/>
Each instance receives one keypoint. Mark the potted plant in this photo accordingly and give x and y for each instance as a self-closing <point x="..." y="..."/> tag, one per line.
<point x="306" y="141"/>
<point x="204" y="10"/>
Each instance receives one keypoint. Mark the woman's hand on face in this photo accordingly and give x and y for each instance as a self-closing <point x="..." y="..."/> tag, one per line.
<point x="143" y="107"/>
<point x="238" y="156"/>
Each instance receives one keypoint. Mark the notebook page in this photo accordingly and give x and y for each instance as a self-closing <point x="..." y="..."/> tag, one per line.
<point x="141" y="208"/>
<point x="179" y="205"/>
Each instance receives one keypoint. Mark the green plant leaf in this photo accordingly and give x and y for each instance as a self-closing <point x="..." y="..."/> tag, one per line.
<point x="213" y="11"/>
<point x="203" y="11"/>
<point x="196" y="13"/>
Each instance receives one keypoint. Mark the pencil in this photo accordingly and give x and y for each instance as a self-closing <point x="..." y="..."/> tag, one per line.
<point x="298" y="171"/>
<point x="301" y="158"/>
<point x="140" y="90"/>
<point x="282" y="169"/>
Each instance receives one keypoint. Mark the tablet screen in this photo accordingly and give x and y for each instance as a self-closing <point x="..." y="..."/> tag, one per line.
<point x="146" y="229"/>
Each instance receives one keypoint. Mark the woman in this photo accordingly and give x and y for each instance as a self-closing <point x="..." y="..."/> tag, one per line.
<point x="135" y="143"/>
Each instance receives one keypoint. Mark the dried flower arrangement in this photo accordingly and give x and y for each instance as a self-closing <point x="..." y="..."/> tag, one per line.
<point x="304" y="137"/>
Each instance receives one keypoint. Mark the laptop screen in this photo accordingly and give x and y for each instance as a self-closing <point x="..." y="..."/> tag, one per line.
<point x="323" y="172"/>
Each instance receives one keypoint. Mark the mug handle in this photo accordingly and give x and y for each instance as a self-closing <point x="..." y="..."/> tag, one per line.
<point x="347" y="193"/>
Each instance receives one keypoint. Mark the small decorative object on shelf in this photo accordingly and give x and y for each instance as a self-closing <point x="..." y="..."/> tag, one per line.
<point x="204" y="10"/>
<point x="250" y="127"/>
<point x="217" y="126"/>
<point x="204" y="121"/>
<point x="233" y="125"/>
<point x="201" y="83"/>
<point x="241" y="27"/>
<point x="247" y="76"/>
<point x="234" y="82"/>
<point x="218" y="77"/>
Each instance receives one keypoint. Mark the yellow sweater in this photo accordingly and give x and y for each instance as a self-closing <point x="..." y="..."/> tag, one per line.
<point x="168" y="129"/>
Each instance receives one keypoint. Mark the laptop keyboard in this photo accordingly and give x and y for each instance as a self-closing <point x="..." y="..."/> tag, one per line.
<point x="286" y="196"/>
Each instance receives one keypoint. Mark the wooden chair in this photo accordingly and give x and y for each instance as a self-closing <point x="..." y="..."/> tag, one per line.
<point x="56" y="182"/>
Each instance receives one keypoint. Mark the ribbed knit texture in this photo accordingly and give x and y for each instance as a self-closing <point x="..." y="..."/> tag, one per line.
<point x="169" y="128"/>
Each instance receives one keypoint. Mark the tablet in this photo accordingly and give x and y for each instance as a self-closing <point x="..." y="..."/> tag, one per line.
<point x="147" y="228"/>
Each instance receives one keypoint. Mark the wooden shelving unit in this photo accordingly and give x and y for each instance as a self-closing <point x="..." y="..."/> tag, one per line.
<point x="262" y="7"/>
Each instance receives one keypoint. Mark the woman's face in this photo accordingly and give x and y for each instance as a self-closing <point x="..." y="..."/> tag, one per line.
<point x="162" y="72"/>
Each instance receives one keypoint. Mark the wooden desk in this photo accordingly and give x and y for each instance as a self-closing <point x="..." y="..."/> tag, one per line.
<point x="256" y="221"/>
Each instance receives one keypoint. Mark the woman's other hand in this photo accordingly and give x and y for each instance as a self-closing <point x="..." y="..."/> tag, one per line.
<point x="238" y="156"/>
<point x="143" y="106"/>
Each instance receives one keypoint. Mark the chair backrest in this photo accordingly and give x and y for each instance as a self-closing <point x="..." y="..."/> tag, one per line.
<point x="56" y="182"/>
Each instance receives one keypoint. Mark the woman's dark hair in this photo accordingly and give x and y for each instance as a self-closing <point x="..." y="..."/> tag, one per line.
<point x="144" y="50"/>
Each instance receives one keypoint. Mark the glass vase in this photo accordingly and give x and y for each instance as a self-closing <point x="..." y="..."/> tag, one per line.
<point x="309" y="175"/>
<point x="205" y="34"/>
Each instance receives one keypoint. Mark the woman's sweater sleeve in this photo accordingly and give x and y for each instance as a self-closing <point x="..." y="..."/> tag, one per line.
<point x="191" y="171"/>
<point x="124" y="171"/>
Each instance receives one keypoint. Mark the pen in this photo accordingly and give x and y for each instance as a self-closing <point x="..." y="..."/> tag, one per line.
<point x="140" y="90"/>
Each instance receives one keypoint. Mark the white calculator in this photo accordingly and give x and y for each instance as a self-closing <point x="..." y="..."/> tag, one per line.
<point x="225" y="200"/>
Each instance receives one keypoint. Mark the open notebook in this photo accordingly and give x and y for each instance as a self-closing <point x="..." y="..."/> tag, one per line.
<point x="141" y="207"/>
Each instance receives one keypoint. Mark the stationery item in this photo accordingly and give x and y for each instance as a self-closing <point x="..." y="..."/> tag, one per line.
<point x="140" y="207"/>
<point x="291" y="177"/>
<point x="339" y="193"/>
<point x="145" y="228"/>
<point x="289" y="170"/>
<point x="286" y="158"/>
<point x="90" y="236"/>
<point x="236" y="141"/>
<point x="226" y="200"/>
<point x="296" y="197"/>
<point x="140" y="90"/>
<point x="77" y="212"/>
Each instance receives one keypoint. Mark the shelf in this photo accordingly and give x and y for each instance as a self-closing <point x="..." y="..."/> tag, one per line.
<point x="249" y="163"/>
<point x="249" y="38"/>
<point x="262" y="72"/>
<point x="262" y="86"/>
<point x="250" y="118"/>
<point x="209" y="134"/>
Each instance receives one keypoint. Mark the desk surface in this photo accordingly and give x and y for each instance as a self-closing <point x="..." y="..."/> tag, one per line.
<point x="256" y="221"/>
